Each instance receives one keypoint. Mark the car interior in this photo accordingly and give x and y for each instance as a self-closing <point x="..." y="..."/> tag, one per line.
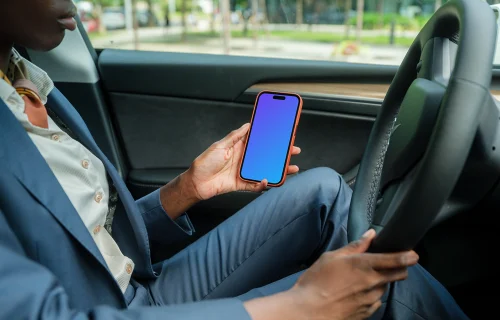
<point x="152" y="113"/>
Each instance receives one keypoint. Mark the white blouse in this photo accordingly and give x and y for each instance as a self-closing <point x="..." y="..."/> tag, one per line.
<point x="81" y="174"/>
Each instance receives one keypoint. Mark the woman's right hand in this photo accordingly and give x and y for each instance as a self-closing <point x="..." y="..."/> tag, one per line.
<point x="349" y="283"/>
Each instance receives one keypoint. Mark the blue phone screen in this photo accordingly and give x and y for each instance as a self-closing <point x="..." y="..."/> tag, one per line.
<point x="269" y="138"/>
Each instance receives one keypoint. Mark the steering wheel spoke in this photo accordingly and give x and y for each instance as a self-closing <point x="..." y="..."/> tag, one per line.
<point x="390" y="199"/>
<point x="437" y="60"/>
<point x="412" y="129"/>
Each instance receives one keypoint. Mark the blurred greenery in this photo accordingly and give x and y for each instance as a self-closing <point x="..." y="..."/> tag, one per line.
<point x="108" y="3"/>
<point x="329" y="37"/>
<point x="372" y="21"/>
<point x="162" y="3"/>
<point x="303" y="36"/>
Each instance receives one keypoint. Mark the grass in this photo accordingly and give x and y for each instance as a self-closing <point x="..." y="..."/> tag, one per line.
<point x="306" y="36"/>
<point x="97" y="35"/>
<point x="299" y="35"/>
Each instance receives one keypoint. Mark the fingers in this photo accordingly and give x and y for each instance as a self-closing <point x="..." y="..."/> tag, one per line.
<point x="293" y="169"/>
<point x="236" y="135"/>
<point x="379" y="279"/>
<point x="296" y="151"/>
<point x="380" y="261"/>
<point x="263" y="185"/>
<point x="369" y="301"/>
<point x="372" y="309"/>
<point x="374" y="295"/>
<point x="370" y="277"/>
<point x="256" y="187"/>
<point x="358" y="246"/>
<point x="393" y="275"/>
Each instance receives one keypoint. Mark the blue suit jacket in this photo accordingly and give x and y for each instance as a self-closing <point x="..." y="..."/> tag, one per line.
<point x="50" y="267"/>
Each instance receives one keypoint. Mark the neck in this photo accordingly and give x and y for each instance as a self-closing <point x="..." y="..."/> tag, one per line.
<point x="5" y="51"/>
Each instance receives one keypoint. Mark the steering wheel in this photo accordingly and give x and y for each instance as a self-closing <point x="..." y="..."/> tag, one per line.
<point x="426" y="127"/>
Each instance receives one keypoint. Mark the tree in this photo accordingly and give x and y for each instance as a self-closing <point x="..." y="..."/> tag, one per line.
<point x="151" y="22"/>
<point x="246" y="14"/>
<point x="226" y="25"/>
<point x="135" y="24"/>
<point x="263" y="9"/>
<point x="98" y="11"/>
<point x="299" y="12"/>
<point x="212" y="17"/>
<point x="380" y="9"/>
<point x="359" y="23"/>
<point x="255" y="18"/>
<point x="183" y="20"/>
<point x="265" y="20"/>
<point x="347" y="15"/>
<point x="393" y="22"/>
<point x="380" y="6"/>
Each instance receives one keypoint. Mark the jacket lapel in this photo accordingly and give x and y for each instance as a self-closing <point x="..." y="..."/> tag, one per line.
<point x="68" y="114"/>
<point x="27" y="164"/>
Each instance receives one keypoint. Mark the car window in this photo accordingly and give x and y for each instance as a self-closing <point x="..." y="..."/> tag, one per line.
<point x="360" y="31"/>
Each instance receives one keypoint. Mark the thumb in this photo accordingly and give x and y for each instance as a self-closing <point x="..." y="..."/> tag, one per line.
<point x="236" y="135"/>
<point x="359" y="246"/>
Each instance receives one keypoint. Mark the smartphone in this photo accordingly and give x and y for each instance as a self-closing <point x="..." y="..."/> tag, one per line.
<point x="271" y="136"/>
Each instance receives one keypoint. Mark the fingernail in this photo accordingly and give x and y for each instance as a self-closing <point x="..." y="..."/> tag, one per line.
<point x="368" y="233"/>
<point x="411" y="258"/>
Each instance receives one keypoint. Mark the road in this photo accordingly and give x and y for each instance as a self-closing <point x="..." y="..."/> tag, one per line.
<point x="151" y="39"/>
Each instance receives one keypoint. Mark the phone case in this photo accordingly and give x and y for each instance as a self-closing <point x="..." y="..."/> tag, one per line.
<point x="292" y="141"/>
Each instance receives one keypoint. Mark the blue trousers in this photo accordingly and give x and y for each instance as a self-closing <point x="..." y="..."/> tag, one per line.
<point x="262" y="249"/>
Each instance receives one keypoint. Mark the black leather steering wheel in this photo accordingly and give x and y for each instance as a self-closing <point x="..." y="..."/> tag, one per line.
<point x="425" y="129"/>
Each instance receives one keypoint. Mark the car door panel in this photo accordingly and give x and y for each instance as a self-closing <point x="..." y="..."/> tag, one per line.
<point x="161" y="132"/>
<point x="161" y="137"/>
<point x="167" y="108"/>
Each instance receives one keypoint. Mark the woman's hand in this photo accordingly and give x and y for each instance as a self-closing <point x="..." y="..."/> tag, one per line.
<point x="215" y="171"/>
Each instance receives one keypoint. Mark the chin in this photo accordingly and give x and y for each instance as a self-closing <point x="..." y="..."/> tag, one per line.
<point x="46" y="42"/>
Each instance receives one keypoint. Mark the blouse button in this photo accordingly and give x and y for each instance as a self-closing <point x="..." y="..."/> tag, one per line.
<point x="128" y="268"/>
<point x="85" y="164"/>
<point x="97" y="229"/>
<point x="98" y="197"/>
